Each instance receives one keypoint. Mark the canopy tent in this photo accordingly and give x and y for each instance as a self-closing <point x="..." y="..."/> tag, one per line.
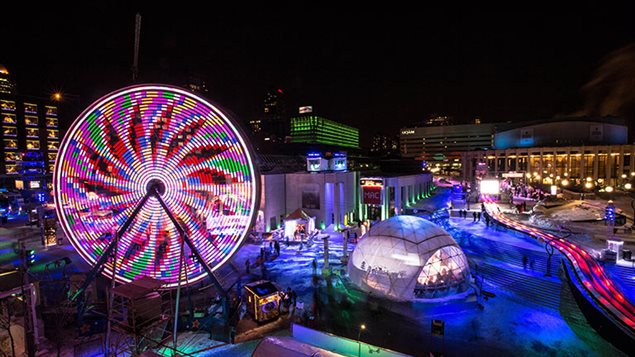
<point x="298" y="224"/>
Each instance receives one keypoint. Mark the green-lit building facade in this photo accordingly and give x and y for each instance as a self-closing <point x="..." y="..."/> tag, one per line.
<point x="317" y="130"/>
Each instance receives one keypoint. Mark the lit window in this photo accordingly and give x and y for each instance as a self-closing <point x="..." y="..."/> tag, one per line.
<point x="53" y="145"/>
<point x="33" y="144"/>
<point x="8" y="119"/>
<point x="10" y="131"/>
<point x="51" y="122"/>
<point x="10" y="144"/>
<point x="51" y="167"/>
<point x="32" y="132"/>
<point x="51" y="111"/>
<point x="10" y="156"/>
<point x="50" y="133"/>
<point x="30" y="108"/>
<point x="29" y="120"/>
<point x="12" y="170"/>
<point x="52" y="156"/>
<point x="7" y="105"/>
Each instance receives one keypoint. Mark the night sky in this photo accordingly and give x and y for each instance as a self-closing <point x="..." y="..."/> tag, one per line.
<point x="373" y="67"/>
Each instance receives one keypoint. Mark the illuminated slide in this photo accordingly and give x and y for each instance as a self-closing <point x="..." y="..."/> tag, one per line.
<point x="588" y="271"/>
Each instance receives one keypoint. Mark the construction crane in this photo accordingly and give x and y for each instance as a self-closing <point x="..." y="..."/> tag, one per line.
<point x="135" y="60"/>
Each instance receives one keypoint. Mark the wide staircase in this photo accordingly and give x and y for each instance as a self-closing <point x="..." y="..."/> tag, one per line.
<point x="539" y="291"/>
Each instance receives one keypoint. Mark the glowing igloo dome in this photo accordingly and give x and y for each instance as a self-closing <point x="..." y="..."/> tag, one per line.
<point x="407" y="257"/>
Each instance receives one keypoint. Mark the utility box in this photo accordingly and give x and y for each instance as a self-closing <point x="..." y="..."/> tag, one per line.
<point x="263" y="300"/>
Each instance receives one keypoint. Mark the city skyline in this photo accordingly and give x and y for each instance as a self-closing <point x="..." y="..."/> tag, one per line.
<point x="362" y="67"/>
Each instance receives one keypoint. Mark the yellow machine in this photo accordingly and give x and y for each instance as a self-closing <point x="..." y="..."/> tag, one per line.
<point x="263" y="300"/>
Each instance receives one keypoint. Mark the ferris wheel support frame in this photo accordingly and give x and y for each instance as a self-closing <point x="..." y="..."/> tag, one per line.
<point x="153" y="191"/>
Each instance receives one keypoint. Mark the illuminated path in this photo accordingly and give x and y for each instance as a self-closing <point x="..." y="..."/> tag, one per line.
<point x="589" y="272"/>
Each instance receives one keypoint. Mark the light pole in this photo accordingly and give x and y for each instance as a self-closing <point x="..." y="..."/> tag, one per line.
<point x="362" y="327"/>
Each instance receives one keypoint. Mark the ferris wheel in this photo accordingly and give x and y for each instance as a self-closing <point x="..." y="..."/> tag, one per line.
<point x="155" y="176"/>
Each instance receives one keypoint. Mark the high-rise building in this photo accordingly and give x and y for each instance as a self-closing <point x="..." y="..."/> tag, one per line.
<point x="6" y="85"/>
<point x="313" y="129"/>
<point x="30" y="140"/>
<point x="438" y="120"/>
<point x="382" y="144"/>
<point x="274" y="123"/>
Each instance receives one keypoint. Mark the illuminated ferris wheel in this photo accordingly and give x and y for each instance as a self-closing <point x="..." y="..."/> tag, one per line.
<point x="155" y="176"/>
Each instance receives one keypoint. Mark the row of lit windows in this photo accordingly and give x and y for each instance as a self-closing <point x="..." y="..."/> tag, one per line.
<point x="9" y="106"/>
<point x="12" y="169"/>
<point x="30" y="132"/>
<point x="28" y="120"/>
<point x="12" y="144"/>
<point x="15" y="156"/>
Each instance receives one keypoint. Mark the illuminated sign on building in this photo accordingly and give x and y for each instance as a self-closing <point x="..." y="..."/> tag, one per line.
<point x="305" y="109"/>
<point x="316" y="162"/>
<point x="490" y="187"/>
<point x="371" y="191"/>
<point x="407" y="132"/>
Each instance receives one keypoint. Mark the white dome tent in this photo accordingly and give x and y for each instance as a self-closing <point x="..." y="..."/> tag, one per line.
<point x="407" y="257"/>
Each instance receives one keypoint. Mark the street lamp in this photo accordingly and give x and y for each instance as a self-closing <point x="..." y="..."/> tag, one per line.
<point x="609" y="189"/>
<point x="564" y="182"/>
<point x="362" y="327"/>
<point x="588" y="185"/>
<point x="628" y="186"/>
<point x="57" y="96"/>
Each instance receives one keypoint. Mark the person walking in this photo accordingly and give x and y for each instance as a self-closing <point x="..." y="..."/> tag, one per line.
<point x="314" y="265"/>
<point x="478" y="217"/>
<point x="474" y="216"/>
<point x="524" y="262"/>
<point x="277" y="247"/>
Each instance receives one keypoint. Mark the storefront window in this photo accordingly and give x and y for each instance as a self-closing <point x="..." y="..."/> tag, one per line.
<point x="51" y="133"/>
<point x="51" y="122"/>
<point x="53" y="145"/>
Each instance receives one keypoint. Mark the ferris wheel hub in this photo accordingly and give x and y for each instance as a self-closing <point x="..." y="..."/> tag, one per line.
<point x="155" y="185"/>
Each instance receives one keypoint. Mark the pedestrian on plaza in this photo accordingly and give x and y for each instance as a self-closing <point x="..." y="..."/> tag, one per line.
<point x="247" y="265"/>
<point x="262" y="253"/>
<point x="474" y="216"/>
<point x="478" y="217"/>
<point x="486" y="220"/>
<point x="525" y="262"/>
<point x="277" y="247"/>
<point x="270" y="246"/>
<point x="263" y="271"/>
<point x="314" y="265"/>
<point x="294" y="297"/>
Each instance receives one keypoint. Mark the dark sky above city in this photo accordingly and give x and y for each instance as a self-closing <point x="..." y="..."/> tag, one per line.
<point x="377" y="68"/>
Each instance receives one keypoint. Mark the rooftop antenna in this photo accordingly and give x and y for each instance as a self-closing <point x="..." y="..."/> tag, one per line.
<point x="135" y="61"/>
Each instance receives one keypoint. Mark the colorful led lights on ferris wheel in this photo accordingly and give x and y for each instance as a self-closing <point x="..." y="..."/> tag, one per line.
<point x="138" y="134"/>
